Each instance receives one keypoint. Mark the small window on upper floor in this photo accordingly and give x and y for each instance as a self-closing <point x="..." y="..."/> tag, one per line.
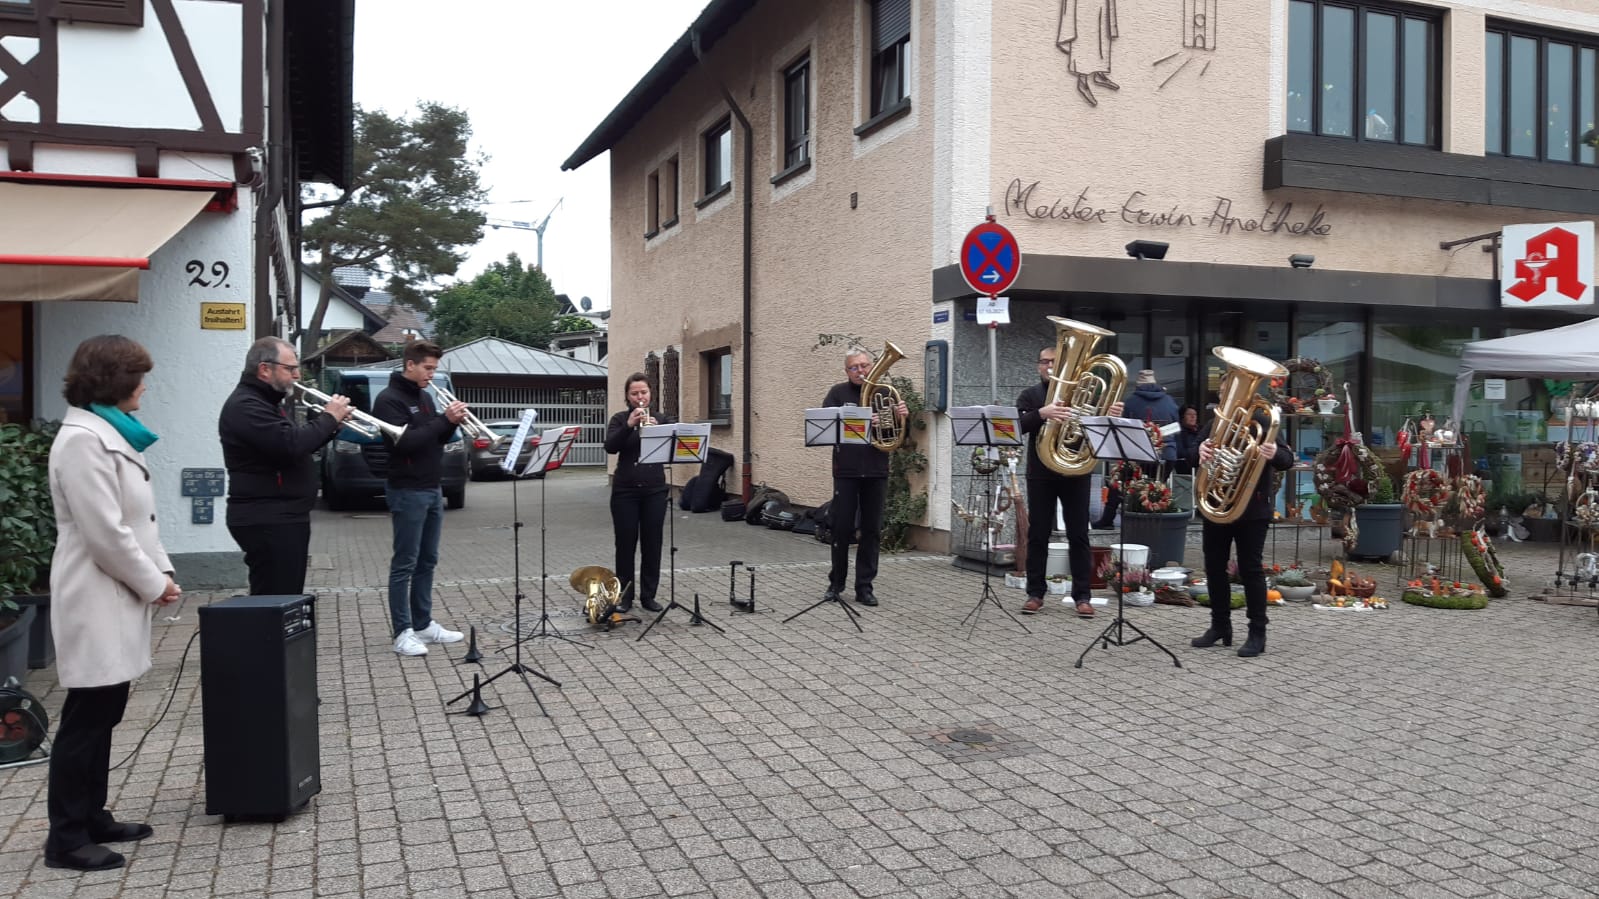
<point x="660" y="198"/>
<point x="717" y="368"/>
<point x="718" y="154"/>
<point x="1541" y="98"/>
<point x="652" y="203"/>
<point x="797" y="113"/>
<point x="103" y="12"/>
<point x="1364" y="70"/>
<point x="17" y="9"/>
<point x="890" y="53"/>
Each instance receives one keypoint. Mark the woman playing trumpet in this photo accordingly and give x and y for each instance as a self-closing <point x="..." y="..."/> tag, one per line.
<point x="638" y="498"/>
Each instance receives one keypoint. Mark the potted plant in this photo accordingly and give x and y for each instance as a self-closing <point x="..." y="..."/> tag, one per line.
<point x="1382" y="521"/>
<point x="27" y="540"/>
<point x="1294" y="584"/>
<point x="1058" y="585"/>
<point x="1148" y="520"/>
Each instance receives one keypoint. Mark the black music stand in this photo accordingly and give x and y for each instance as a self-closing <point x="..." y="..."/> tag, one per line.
<point x="1114" y="440"/>
<point x="826" y="427"/>
<point x="549" y="453"/>
<point x="516" y="666"/>
<point x="974" y="426"/>
<point x="674" y="444"/>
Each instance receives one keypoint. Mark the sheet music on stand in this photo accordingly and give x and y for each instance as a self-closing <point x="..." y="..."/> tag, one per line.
<point x="549" y="453"/>
<point x="986" y="425"/>
<point x="681" y="443"/>
<point x="1118" y="438"/>
<point x="508" y="464"/>
<point x="838" y="426"/>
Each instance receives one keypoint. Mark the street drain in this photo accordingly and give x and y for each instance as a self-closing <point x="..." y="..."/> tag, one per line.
<point x="969" y="743"/>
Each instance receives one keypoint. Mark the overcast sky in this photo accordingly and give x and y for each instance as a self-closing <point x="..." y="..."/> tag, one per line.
<point x="536" y="76"/>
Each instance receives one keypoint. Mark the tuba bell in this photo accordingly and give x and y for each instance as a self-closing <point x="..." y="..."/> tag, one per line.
<point x="602" y="592"/>
<point x="1225" y="483"/>
<point x="1086" y="382"/>
<point x="877" y="394"/>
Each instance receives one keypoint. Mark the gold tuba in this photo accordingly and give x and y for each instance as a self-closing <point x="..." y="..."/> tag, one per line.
<point x="602" y="591"/>
<point x="1225" y="483"/>
<point x="1062" y="447"/>
<point x="877" y="394"/>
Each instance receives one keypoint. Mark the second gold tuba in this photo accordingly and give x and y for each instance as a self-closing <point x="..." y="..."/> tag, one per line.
<point x="1225" y="483"/>
<point x="1062" y="446"/>
<point x="880" y="396"/>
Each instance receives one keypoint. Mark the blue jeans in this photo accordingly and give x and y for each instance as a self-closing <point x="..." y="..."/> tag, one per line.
<point x="417" y="515"/>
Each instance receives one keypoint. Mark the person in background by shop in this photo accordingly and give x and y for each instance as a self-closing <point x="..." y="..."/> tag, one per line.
<point x="1187" y="443"/>
<point x="1150" y="402"/>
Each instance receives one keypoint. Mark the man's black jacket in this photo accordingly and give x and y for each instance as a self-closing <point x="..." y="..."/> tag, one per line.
<point x="416" y="459"/>
<point x="271" y="479"/>
<point x="854" y="460"/>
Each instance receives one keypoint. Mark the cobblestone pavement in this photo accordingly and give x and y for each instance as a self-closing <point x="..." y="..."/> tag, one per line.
<point x="1411" y="752"/>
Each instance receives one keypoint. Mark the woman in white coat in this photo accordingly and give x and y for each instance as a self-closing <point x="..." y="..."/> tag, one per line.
<point x="108" y="574"/>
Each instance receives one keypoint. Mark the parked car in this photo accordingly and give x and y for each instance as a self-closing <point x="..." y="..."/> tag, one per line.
<point x="487" y="455"/>
<point x="355" y="465"/>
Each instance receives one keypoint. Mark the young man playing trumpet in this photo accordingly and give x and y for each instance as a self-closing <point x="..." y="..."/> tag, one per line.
<point x="272" y="483"/>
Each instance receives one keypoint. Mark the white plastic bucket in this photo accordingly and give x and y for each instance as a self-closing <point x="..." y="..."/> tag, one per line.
<point x="1133" y="554"/>
<point x="1059" y="559"/>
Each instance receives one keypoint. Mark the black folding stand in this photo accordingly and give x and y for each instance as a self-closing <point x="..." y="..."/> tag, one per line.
<point x="546" y="627"/>
<point x="516" y="666"/>
<point x="983" y="436"/>
<point x="696" y="617"/>
<point x="829" y="435"/>
<point x="1119" y="439"/>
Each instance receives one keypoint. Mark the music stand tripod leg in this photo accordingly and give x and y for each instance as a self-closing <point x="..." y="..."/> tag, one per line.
<point x="853" y="615"/>
<point x="988" y="594"/>
<point x="546" y="625"/>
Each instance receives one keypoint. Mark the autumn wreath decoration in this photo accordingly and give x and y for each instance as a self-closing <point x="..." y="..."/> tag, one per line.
<point x="1470" y="498"/>
<point x="1426" y="494"/>
<point x="1125" y="473"/>
<point x="1484" y="561"/>
<point x="1148" y="495"/>
<point x="1295" y="394"/>
<point x="1340" y="487"/>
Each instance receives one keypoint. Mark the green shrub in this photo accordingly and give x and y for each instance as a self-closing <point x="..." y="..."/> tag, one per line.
<point x="27" y="517"/>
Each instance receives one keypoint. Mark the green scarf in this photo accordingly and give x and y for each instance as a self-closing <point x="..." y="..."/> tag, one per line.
<point x="137" y="435"/>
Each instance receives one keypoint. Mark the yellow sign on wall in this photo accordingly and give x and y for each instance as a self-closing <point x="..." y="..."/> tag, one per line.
<point x="222" y="316"/>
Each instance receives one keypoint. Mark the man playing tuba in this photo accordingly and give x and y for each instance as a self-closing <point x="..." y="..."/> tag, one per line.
<point x="860" y="484"/>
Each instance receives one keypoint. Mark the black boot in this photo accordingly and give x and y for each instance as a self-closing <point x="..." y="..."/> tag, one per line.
<point x="1222" y="632"/>
<point x="1256" y="644"/>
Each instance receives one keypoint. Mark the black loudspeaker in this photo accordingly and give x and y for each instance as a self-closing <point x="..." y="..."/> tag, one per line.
<point x="258" y="698"/>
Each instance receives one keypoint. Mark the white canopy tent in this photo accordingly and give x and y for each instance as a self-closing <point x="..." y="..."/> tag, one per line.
<point x="1569" y="353"/>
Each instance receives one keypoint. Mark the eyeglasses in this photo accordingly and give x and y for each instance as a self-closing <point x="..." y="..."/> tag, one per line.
<point x="294" y="367"/>
<point x="1046" y="362"/>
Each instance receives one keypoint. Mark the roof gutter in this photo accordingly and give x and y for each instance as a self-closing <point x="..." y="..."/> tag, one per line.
<point x="274" y="172"/>
<point x="745" y="418"/>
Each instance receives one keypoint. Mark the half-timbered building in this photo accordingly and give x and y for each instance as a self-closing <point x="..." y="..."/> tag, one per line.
<point x="151" y="157"/>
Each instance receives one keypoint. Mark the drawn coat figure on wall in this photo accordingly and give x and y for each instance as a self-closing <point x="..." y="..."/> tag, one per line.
<point x="1087" y="29"/>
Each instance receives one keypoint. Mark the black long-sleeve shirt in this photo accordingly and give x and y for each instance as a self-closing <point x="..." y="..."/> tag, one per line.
<point x="416" y="460"/>
<point x="1027" y="405"/>
<point x="623" y="442"/>
<point x="271" y="479"/>
<point x="1260" y="505"/>
<point x="854" y="460"/>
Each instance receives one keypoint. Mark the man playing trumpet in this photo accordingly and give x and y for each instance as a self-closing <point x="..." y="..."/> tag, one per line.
<point x="272" y="484"/>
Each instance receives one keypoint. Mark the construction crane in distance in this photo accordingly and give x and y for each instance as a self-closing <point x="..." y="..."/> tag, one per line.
<point x="529" y="226"/>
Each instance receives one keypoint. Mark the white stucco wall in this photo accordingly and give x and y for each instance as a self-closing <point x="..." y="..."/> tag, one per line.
<point x="194" y="369"/>
<point x="339" y="317"/>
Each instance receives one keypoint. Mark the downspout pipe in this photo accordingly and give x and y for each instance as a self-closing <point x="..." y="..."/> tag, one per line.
<point x="272" y="172"/>
<point x="745" y="417"/>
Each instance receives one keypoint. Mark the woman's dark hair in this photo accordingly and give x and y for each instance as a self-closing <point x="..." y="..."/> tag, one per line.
<point x="635" y="376"/>
<point x="105" y="370"/>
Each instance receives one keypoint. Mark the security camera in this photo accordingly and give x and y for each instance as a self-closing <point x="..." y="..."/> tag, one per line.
<point x="1301" y="260"/>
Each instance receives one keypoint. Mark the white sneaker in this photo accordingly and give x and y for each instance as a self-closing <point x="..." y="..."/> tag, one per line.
<point x="406" y="644"/>
<point x="438" y="633"/>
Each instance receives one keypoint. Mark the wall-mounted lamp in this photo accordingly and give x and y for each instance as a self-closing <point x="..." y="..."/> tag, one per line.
<point x="1147" y="249"/>
<point x="1301" y="260"/>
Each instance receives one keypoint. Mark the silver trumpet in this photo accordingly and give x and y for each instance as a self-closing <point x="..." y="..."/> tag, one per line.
<point x="359" y="422"/>
<point x="647" y="420"/>
<point x="474" y="428"/>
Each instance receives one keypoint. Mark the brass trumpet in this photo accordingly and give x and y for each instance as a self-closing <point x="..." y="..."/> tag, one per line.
<point x="369" y="426"/>
<point x="473" y="427"/>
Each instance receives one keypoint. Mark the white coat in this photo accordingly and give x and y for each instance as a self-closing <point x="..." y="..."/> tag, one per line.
<point x="109" y="567"/>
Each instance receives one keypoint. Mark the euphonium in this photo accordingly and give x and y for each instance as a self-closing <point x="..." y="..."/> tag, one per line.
<point x="1062" y="447"/>
<point x="877" y="394"/>
<point x="1226" y="482"/>
<point x="602" y="592"/>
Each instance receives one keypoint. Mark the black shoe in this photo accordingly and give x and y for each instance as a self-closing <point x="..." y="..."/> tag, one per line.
<point x="865" y="597"/>
<point x="1211" y="636"/>
<point x="120" y="832"/>
<point x="1254" y="645"/>
<point x="625" y="607"/>
<point x="832" y="596"/>
<point x="650" y="605"/>
<point x="89" y="857"/>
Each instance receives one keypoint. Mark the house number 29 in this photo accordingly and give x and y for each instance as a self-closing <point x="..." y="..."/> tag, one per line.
<point x="196" y="268"/>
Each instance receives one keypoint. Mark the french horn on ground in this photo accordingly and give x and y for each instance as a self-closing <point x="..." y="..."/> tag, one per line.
<point x="602" y="592"/>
